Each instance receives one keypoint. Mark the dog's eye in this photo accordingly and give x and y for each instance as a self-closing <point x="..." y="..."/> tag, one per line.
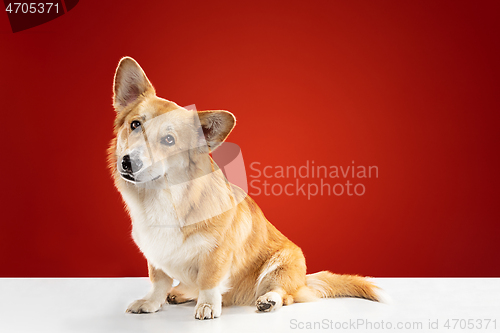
<point x="135" y="124"/>
<point x="168" y="140"/>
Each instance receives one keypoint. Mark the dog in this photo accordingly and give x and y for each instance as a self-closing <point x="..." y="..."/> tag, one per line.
<point x="190" y="223"/>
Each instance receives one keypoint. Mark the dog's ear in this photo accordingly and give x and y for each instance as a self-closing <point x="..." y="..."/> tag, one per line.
<point x="216" y="126"/>
<point x="130" y="83"/>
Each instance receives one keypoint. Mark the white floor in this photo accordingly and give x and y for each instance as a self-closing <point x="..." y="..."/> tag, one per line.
<point x="98" y="305"/>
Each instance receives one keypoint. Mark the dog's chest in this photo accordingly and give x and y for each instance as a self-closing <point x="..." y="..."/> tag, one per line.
<point x="156" y="231"/>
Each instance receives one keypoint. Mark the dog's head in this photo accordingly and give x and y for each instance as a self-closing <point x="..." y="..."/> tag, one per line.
<point x="156" y="138"/>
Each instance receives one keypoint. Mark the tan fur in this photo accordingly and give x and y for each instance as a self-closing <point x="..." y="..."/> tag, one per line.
<point x="325" y="284"/>
<point x="245" y="256"/>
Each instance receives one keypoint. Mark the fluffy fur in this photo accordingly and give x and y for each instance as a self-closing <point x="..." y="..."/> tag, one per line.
<point x="191" y="224"/>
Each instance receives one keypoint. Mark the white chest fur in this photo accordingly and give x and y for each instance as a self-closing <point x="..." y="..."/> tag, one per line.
<point x="156" y="231"/>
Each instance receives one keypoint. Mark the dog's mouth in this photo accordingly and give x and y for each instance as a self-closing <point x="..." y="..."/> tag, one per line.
<point x="128" y="177"/>
<point x="132" y="179"/>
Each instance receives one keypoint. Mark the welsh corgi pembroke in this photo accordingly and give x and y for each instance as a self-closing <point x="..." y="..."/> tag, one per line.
<point x="190" y="223"/>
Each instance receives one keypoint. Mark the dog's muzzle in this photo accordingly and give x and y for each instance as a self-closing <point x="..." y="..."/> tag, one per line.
<point x="132" y="169"/>
<point x="129" y="167"/>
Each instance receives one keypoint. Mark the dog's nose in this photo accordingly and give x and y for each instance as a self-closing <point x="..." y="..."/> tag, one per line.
<point x="131" y="165"/>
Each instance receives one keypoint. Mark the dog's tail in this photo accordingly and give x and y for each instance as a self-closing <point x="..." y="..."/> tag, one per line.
<point x="325" y="284"/>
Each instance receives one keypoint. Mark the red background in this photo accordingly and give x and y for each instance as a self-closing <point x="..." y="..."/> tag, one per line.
<point x="409" y="86"/>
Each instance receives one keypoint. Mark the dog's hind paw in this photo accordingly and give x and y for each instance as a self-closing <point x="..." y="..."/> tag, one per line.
<point x="269" y="302"/>
<point x="177" y="299"/>
<point x="143" y="306"/>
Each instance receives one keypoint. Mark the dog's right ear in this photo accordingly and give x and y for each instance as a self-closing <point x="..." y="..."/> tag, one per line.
<point x="130" y="83"/>
<point x="216" y="126"/>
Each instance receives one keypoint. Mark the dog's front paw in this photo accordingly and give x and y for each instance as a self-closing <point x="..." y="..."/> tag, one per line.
<point x="207" y="311"/>
<point x="143" y="306"/>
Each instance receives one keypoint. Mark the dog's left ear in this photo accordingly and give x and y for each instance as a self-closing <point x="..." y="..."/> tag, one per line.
<point x="216" y="126"/>
<point x="130" y="83"/>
